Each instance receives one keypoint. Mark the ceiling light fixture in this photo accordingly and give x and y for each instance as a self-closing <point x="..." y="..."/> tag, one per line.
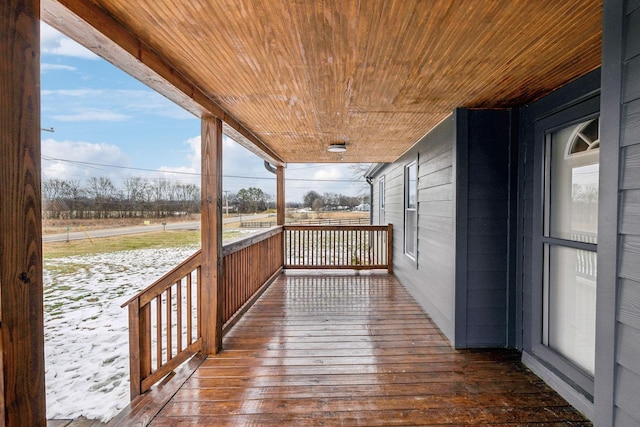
<point x="338" y="148"/>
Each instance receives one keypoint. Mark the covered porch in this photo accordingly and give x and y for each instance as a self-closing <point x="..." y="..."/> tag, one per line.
<point x="347" y="348"/>
<point x="294" y="82"/>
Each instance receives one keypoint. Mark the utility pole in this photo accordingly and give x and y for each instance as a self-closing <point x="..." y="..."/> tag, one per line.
<point x="226" y="203"/>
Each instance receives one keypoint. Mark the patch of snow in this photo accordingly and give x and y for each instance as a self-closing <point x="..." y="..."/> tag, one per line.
<point x="86" y="330"/>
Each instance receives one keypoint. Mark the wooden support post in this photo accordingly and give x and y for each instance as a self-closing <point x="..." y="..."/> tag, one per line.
<point x="390" y="248"/>
<point x="135" y="376"/>
<point x="211" y="226"/>
<point x="22" y="390"/>
<point x="280" y="203"/>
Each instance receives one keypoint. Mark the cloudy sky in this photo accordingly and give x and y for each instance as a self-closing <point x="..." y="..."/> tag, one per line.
<point x="107" y="124"/>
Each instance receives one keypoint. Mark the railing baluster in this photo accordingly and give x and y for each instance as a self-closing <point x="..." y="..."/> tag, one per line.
<point x="189" y="310"/>
<point x="334" y="245"/>
<point x="158" y="331"/>
<point x="179" y="316"/>
<point x="326" y="245"/>
<point x="169" y="321"/>
<point x="198" y="302"/>
<point x="145" y="340"/>
<point x="360" y="246"/>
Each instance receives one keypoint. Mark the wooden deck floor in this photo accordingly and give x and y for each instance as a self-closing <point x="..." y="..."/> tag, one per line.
<point x="338" y="349"/>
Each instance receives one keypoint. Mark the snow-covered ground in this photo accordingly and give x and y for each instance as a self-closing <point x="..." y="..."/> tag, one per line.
<point x="86" y="331"/>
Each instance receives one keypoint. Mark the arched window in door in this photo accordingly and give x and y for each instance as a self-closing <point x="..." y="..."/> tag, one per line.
<point x="570" y="239"/>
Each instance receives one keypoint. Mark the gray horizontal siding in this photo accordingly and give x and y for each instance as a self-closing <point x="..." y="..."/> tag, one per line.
<point x="478" y="318"/>
<point x="430" y="279"/>
<point x="627" y="381"/>
<point x="626" y="397"/>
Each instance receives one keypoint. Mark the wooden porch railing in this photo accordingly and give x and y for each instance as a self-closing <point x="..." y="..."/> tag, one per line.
<point x="164" y="330"/>
<point x="247" y="266"/>
<point x="338" y="247"/>
<point x="164" y="319"/>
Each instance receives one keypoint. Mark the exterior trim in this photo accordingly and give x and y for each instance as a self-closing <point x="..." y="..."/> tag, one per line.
<point x="530" y="211"/>
<point x="413" y="257"/>
<point x="514" y="288"/>
<point x="608" y="211"/>
<point x="578" y="400"/>
<point x="461" y="209"/>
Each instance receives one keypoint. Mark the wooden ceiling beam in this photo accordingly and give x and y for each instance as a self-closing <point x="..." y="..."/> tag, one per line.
<point x="81" y="20"/>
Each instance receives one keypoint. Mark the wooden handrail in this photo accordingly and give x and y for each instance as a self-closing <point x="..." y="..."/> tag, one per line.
<point x="160" y="285"/>
<point x="336" y="227"/>
<point x="238" y="245"/>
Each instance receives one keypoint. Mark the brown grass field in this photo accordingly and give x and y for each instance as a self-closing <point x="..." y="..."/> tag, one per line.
<point x="51" y="226"/>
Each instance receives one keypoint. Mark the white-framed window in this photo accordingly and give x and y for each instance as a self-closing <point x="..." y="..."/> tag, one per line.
<point x="411" y="210"/>
<point x="381" y="193"/>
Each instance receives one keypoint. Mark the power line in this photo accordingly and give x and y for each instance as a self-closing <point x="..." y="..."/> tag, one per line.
<point x="93" y="165"/>
<point x="116" y="166"/>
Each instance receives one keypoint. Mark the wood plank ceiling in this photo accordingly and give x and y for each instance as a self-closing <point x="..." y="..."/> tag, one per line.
<point x="376" y="74"/>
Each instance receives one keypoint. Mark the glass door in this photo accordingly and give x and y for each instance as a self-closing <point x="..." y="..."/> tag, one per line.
<point x="570" y="237"/>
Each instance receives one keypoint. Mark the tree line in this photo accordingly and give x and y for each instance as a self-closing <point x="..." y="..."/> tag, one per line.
<point x="331" y="201"/>
<point x="136" y="197"/>
<point x="100" y="198"/>
<point x="250" y="200"/>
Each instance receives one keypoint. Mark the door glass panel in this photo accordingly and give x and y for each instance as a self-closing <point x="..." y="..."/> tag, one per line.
<point x="573" y="171"/>
<point x="412" y="180"/>
<point x="410" y="242"/>
<point x="571" y="304"/>
<point x="411" y="213"/>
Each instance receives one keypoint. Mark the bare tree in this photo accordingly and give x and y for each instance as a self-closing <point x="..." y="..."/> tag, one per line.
<point x="358" y="171"/>
<point x="102" y="191"/>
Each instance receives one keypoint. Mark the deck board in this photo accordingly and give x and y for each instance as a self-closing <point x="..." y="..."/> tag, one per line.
<point x="338" y="349"/>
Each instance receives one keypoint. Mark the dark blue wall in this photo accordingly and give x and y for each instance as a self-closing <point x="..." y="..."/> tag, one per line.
<point x="485" y="176"/>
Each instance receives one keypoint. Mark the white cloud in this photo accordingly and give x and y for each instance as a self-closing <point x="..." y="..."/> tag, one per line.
<point x="189" y="173"/>
<point x="192" y="170"/>
<point x="74" y="93"/>
<point x="55" y="43"/>
<point x="133" y="102"/>
<point x="91" y="116"/>
<point x="236" y="161"/>
<point x="196" y="152"/>
<point x="330" y="172"/>
<point x="76" y="154"/>
<point x="45" y="67"/>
